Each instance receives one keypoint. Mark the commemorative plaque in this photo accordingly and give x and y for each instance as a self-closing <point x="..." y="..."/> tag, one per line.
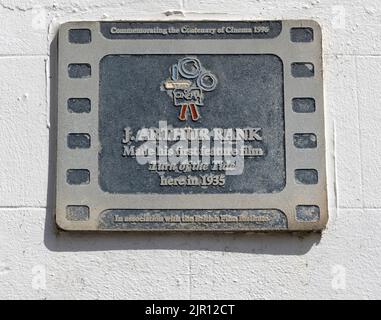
<point x="191" y="126"/>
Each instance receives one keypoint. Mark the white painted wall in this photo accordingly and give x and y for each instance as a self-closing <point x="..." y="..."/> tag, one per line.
<point x="37" y="262"/>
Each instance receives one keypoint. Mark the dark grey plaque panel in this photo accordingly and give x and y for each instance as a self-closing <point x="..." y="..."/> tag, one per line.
<point x="260" y="105"/>
<point x="252" y="87"/>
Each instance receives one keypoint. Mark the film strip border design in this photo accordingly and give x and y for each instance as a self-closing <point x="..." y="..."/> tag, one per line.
<point x="78" y="143"/>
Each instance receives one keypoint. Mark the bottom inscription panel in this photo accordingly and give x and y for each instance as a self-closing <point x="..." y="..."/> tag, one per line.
<point x="203" y="220"/>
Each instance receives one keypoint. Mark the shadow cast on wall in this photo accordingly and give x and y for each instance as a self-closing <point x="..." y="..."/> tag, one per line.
<point x="56" y="240"/>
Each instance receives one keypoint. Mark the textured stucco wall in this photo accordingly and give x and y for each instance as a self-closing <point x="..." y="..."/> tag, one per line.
<point x="37" y="262"/>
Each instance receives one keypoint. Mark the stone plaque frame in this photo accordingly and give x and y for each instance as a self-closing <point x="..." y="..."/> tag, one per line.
<point x="80" y="207"/>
